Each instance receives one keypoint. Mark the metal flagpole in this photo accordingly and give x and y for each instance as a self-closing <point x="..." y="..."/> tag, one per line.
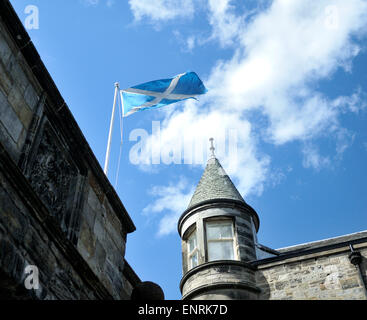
<point x="121" y="114"/>
<point x="117" y="86"/>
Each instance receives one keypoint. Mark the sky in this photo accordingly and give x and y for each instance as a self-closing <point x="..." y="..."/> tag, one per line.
<point x="286" y="105"/>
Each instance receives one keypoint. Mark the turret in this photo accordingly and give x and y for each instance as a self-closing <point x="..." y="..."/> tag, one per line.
<point x="218" y="231"/>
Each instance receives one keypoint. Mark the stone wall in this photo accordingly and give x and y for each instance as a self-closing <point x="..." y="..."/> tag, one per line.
<point x="220" y="280"/>
<point x="23" y="242"/>
<point x="325" y="275"/>
<point x="58" y="210"/>
<point x="245" y="238"/>
<point x="19" y="96"/>
<point x="102" y="239"/>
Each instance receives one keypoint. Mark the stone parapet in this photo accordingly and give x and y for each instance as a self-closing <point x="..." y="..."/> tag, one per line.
<point x="213" y="277"/>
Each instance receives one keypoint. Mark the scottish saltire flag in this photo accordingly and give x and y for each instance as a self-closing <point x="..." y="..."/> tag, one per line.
<point x="159" y="93"/>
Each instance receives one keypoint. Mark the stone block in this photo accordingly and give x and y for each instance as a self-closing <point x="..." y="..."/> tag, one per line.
<point x="93" y="201"/>
<point x="293" y="266"/>
<point x="9" y="144"/>
<point x="96" y="188"/>
<point x="247" y="253"/>
<point x="112" y="234"/>
<point x="18" y="103"/>
<point x="31" y="97"/>
<point x="112" y="278"/>
<point x="87" y="240"/>
<point x="10" y="217"/>
<point x="5" y="81"/>
<point x="21" y="140"/>
<point x="18" y="75"/>
<point x="307" y="263"/>
<point x="5" y="51"/>
<point x="9" y="118"/>
<point x="112" y="218"/>
<point x="244" y="224"/>
<point x="100" y="255"/>
<point x="246" y="235"/>
<point x="113" y="274"/>
<point x="89" y="216"/>
<point x="117" y="259"/>
<point x="100" y="229"/>
<point x="245" y="241"/>
<point x="349" y="283"/>
<point x="11" y="262"/>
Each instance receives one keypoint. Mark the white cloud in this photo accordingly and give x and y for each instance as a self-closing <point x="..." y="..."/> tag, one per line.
<point x="110" y="3"/>
<point x="187" y="44"/>
<point x="190" y="43"/>
<point x="353" y="103"/>
<point x="95" y="3"/>
<point x="226" y="25"/>
<point x="90" y="2"/>
<point x="280" y="55"/>
<point x="172" y="200"/>
<point x="160" y="10"/>
<point x="313" y="159"/>
<point x="284" y="51"/>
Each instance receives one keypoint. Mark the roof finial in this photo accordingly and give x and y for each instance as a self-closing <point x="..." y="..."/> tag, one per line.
<point x="212" y="149"/>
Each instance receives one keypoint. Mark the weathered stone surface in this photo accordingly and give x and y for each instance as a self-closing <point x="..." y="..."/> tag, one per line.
<point x="19" y="105"/>
<point x="15" y="69"/>
<point x="55" y="178"/>
<point x="30" y="245"/>
<point x="31" y="97"/>
<point x="215" y="184"/>
<point x="87" y="241"/>
<point x="330" y="276"/>
<point x="220" y="273"/>
<point x="5" y="51"/>
<point x="9" y="118"/>
<point x="5" y="82"/>
<point x="58" y="210"/>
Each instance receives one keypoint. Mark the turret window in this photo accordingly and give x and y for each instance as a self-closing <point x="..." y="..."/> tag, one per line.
<point x="219" y="236"/>
<point x="192" y="250"/>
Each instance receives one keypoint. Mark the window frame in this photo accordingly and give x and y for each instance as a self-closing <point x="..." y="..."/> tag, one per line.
<point x="195" y="251"/>
<point x="218" y="220"/>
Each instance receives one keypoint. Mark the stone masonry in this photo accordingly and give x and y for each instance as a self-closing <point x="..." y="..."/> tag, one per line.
<point x="324" y="275"/>
<point x="58" y="211"/>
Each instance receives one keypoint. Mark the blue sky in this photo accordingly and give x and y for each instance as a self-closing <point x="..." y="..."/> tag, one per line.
<point x="287" y="86"/>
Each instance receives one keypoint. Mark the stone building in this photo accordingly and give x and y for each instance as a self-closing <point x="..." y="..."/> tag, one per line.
<point x="222" y="258"/>
<point x="60" y="216"/>
<point x="61" y="221"/>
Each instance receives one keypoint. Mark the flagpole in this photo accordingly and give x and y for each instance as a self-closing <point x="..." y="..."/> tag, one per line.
<point x="122" y="114"/>
<point x="111" y="128"/>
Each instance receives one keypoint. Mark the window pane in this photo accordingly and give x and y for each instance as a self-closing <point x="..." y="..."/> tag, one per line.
<point x="194" y="260"/>
<point x="192" y="242"/>
<point x="219" y="230"/>
<point x="222" y="250"/>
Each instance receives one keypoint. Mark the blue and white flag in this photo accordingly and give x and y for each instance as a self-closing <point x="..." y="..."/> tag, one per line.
<point x="159" y="93"/>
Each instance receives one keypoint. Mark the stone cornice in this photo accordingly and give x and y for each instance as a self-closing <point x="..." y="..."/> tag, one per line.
<point x="212" y="264"/>
<point x="221" y="285"/>
<point x="218" y="203"/>
<point x="308" y="252"/>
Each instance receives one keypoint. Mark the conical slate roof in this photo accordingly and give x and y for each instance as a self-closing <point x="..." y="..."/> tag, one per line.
<point x="215" y="184"/>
